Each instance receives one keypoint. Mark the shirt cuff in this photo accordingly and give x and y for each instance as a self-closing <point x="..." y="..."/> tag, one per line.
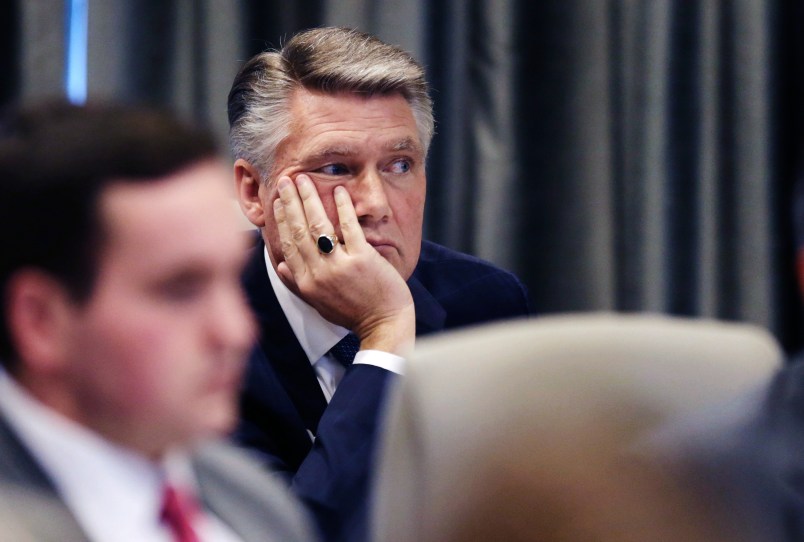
<point x="384" y="360"/>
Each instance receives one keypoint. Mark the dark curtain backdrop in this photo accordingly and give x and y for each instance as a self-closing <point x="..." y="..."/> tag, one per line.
<point x="621" y="155"/>
<point x="9" y="45"/>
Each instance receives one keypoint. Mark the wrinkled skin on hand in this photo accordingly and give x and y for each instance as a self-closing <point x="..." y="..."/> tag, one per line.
<point x="353" y="286"/>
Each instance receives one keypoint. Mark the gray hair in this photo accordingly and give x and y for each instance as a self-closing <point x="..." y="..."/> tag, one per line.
<point x="330" y="60"/>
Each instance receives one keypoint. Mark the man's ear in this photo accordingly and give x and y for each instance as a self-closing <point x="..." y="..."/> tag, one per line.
<point x="247" y="186"/>
<point x="39" y="315"/>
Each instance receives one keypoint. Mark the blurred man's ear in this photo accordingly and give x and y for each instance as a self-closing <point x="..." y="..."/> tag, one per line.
<point x="38" y="312"/>
<point x="247" y="186"/>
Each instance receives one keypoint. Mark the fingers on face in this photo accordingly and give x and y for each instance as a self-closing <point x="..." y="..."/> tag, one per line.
<point x="351" y="231"/>
<point x="289" y="250"/>
<point x="303" y="219"/>
<point x="317" y="220"/>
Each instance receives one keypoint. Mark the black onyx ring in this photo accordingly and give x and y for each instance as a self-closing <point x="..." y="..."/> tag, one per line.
<point x="326" y="243"/>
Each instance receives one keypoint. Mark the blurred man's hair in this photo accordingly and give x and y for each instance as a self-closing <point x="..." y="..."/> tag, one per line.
<point x="56" y="160"/>
<point x="329" y="60"/>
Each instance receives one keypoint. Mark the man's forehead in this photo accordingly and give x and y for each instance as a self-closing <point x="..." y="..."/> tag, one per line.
<point x="344" y="125"/>
<point x="190" y="210"/>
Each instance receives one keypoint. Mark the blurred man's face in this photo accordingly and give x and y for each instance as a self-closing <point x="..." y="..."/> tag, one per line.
<point x="157" y="351"/>
<point x="371" y="147"/>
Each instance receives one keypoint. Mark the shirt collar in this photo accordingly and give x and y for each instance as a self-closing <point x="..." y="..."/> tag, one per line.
<point x="315" y="334"/>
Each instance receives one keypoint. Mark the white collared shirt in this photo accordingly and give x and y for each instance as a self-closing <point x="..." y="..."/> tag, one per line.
<point x="114" y="493"/>
<point x="317" y="336"/>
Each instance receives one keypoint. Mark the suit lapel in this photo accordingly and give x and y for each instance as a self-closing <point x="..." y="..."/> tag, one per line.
<point x="430" y="315"/>
<point x="33" y="502"/>
<point x="219" y="495"/>
<point x="248" y="500"/>
<point x="280" y="346"/>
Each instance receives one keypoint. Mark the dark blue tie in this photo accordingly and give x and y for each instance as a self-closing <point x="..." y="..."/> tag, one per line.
<point x="346" y="349"/>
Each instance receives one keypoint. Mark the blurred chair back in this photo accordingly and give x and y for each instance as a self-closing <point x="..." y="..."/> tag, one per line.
<point x="525" y="430"/>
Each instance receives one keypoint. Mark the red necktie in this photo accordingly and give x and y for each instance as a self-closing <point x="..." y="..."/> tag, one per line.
<point x="178" y="510"/>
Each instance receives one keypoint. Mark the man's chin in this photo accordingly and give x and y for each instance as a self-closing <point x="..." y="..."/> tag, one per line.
<point x="392" y="256"/>
<point x="218" y="421"/>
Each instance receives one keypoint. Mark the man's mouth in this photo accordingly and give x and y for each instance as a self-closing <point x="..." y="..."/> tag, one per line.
<point x="385" y="248"/>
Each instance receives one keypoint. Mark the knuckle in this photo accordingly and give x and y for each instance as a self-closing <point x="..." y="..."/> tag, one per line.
<point x="317" y="228"/>
<point x="298" y="233"/>
<point x="288" y="248"/>
<point x="348" y="224"/>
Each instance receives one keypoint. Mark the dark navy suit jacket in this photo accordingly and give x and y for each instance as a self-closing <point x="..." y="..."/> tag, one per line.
<point x="282" y="400"/>
<point x="774" y="444"/>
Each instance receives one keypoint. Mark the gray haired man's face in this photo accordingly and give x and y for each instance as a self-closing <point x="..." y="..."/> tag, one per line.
<point x="371" y="147"/>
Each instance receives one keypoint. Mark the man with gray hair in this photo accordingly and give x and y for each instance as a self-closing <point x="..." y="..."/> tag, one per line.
<point x="330" y="136"/>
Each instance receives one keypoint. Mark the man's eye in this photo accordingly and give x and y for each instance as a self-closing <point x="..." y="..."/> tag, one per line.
<point x="400" y="166"/>
<point x="334" y="169"/>
<point x="181" y="290"/>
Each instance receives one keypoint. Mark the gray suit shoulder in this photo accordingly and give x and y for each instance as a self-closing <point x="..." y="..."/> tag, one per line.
<point x="254" y="503"/>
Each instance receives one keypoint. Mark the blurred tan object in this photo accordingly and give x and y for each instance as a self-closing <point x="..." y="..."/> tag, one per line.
<point x="527" y="430"/>
<point x="24" y="505"/>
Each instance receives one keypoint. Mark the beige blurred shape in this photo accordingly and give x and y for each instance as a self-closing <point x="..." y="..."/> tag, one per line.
<point x="527" y="430"/>
<point x="22" y="506"/>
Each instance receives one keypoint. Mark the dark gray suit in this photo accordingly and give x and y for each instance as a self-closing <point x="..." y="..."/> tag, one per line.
<point x="241" y="495"/>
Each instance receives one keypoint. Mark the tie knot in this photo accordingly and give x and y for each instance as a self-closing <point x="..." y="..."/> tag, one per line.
<point x="346" y="349"/>
<point x="178" y="510"/>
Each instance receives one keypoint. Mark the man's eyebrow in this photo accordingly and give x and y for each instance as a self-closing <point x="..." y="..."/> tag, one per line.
<point x="335" y="150"/>
<point x="406" y="144"/>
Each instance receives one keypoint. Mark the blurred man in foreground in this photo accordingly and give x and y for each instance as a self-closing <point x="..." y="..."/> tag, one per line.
<point x="123" y="334"/>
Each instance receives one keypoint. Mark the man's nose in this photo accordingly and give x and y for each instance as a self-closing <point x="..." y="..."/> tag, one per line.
<point x="231" y="323"/>
<point x="370" y="197"/>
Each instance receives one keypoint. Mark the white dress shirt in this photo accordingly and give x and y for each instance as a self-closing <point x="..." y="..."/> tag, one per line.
<point x="114" y="493"/>
<point x="317" y="336"/>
